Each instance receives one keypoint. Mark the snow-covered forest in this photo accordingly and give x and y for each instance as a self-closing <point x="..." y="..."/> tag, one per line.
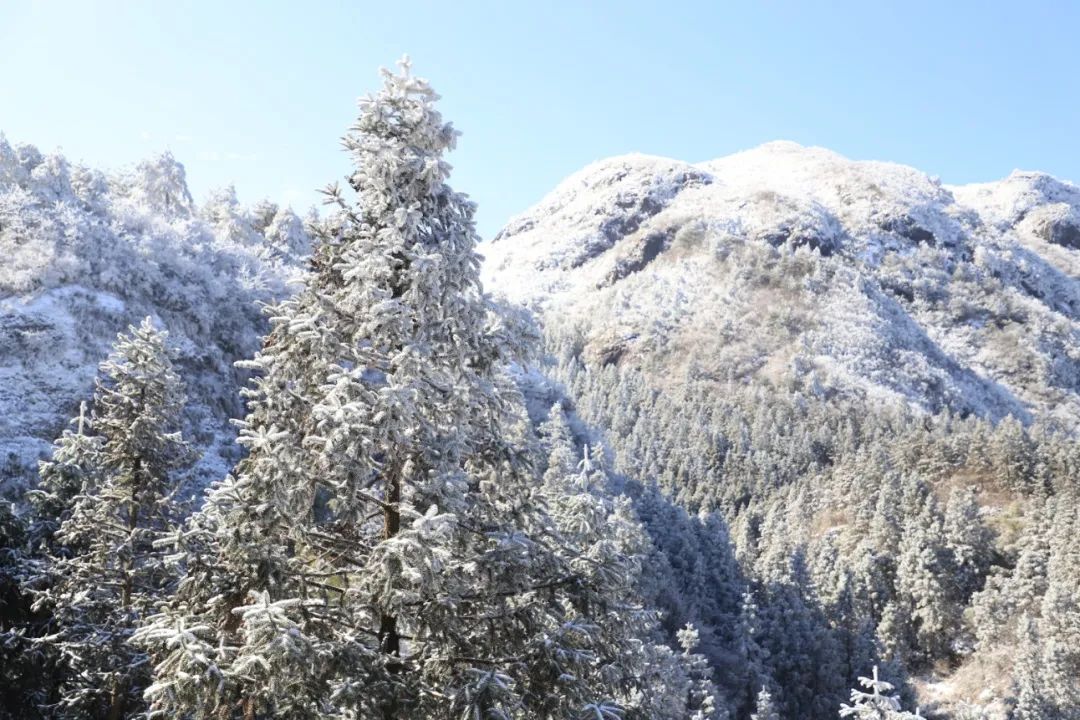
<point x="779" y="436"/>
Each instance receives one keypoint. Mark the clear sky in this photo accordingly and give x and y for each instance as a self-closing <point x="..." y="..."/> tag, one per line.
<point x="258" y="93"/>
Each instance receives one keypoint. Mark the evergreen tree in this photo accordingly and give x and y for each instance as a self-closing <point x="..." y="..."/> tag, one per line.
<point x="379" y="553"/>
<point x="109" y="570"/>
<point x="765" y="707"/>
<point x="160" y="183"/>
<point x="73" y="469"/>
<point x="802" y="655"/>
<point x="1032" y="699"/>
<point x="1050" y="644"/>
<point x="920" y="575"/>
<point x="1009" y="595"/>
<point x="876" y="702"/>
<point x="26" y="665"/>
<point x="285" y="235"/>
<point x="969" y="543"/>
<point x="754" y="658"/>
<point x="602" y="542"/>
<point x="29" y="661"/>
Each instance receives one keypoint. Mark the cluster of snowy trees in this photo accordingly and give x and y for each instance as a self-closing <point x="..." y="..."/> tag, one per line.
<point x="421" y="526"/>
<point x="861" y="534"/>
<point x="62" y="222"/>
<point x="399" y="541"/>
<point x="85" y="253"/>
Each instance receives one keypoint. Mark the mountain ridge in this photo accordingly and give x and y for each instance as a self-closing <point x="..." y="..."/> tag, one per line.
<point x="846" y="276"/>
<point x="88" y="254"/>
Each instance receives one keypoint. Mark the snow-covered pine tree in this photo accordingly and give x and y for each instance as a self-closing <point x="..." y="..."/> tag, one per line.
<point x="1032" y="701"/>
<point x="970" y="544"/>
<point x="379" y="553"/>
<point x="26" y="666"/>
<point x="30" y="665"/>
<point x="160" y="183"/>
<point x="920" y="576"/>
<point x="1049" y="659"/>
<point x="765" y="708"/>
<point x="285" y="235"/>
<point x="876" y="702"/>
<point x="701" y="693"/>
<point x="603" y="541"/>
<point x="73" y="469"/>
<point x="753" y="658"/>
<point x="108" y="570"/>
<point x="1010" y="594"/>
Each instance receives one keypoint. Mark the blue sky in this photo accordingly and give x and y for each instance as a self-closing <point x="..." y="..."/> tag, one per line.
<point x="258" y="93"/>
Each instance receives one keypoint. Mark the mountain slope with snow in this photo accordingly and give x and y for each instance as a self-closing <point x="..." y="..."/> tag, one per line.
<point x="84" y="255"/>
<point x="796" y="266"/>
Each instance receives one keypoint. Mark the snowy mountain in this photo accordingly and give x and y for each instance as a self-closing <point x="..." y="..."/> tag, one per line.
<point x="730" y="477"/>
<point x="797" y="267"/>
<point x="86" y="254"/>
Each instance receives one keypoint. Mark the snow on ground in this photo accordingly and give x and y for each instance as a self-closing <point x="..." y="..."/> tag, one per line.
<point x="792" y="264"/>
<point x="83" y="255"/>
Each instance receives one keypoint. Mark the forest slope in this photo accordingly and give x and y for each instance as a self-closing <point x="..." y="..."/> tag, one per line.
<point x="795" y="266"/>
<point x="85" y="254"/>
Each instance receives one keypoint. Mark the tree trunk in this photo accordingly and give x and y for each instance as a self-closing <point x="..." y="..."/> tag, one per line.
<point x="389" y="640"/>
<point x="126" y="567"/>
<point x="118" y="700"/>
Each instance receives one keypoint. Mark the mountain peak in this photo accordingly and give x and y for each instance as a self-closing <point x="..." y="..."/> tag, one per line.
<point x="790" y="263"/>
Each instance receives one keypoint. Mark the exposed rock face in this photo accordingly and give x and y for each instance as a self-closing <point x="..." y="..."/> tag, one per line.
<point x="629" y="192"/>
<point x="787" y="264"/>
<point x="1057" y="224"/>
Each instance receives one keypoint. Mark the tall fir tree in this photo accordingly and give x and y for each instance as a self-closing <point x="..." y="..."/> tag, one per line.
<point x="875" y="702"/>
<point x="73" y="469"/>
<point x="378" y="554"/>
<point x="920" y="588"/>
<point x="30" y="662"/>
<point x="109" y="569"/>
<point x="1032" y="698"/>
<point x="969" y="542"/>
<point x="27" y="665"/>
<point x="765" y="707"/>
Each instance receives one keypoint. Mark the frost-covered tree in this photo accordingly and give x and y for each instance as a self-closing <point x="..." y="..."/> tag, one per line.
<point x="27" y="664"/>
<point x="73" y="469"/>
<point x="286" y="236"/>
<point x="1033" y="700"/>
<point x="701" y="701"/>
<point x="159" y="183"/>
<point x="801" y="653"/>
<point x="1048" y="654"/>
<point x="602" y="542"/>
<point x="1009" y="595"/>
<point x="875" y="702"/>
<point x="27" y="653"/>
<point x="765" y="707"/>
<point x="969" y="543"/>
<point x="920" y="584"/>
<point x="379" y="553"/>
<point x="109" y="570"/>
<point x="753" y="658"/>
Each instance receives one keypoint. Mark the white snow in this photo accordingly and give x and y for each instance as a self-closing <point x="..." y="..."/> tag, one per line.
<point x="942" y="296"/>
<point x="83" y="256"/>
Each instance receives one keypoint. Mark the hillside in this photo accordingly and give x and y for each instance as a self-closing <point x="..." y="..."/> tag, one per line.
<point x="819" y="414"/>
<point x="86" y="254"/>
<point x="870" y="377"/>
<point x="795" y="266"/>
